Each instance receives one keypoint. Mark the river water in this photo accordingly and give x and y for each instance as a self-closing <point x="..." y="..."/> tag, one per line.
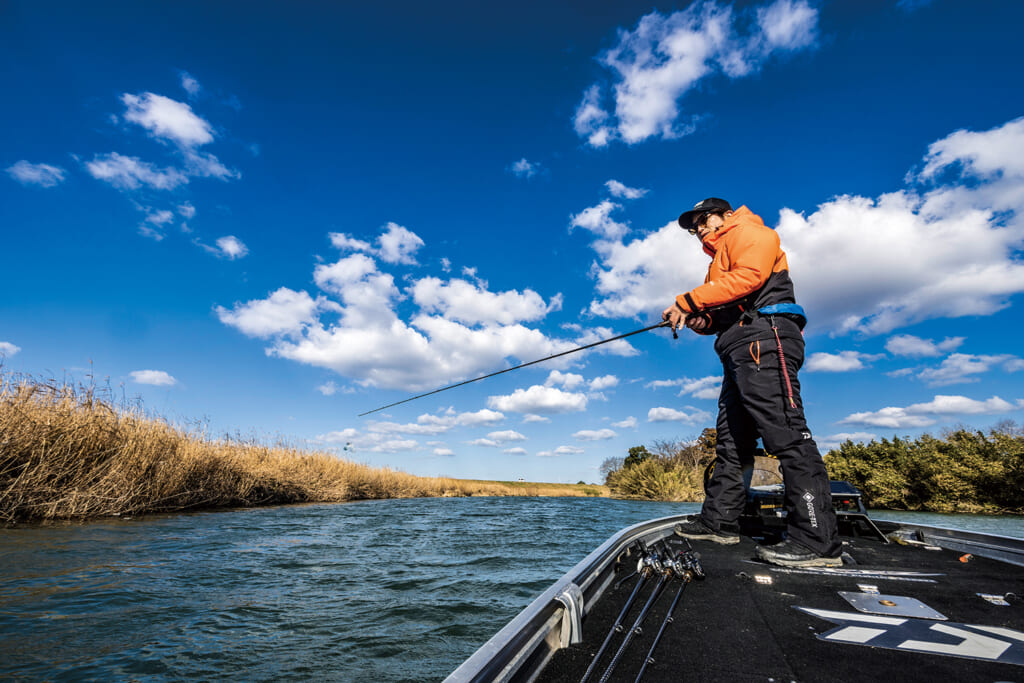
<point x="395" y="590"/>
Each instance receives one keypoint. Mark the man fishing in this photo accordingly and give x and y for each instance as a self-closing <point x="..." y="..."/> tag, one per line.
<point x="747" y="300"/>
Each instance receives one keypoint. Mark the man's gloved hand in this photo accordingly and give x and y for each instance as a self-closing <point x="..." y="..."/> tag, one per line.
<point x="674" y="315"/>
<point x="699" y="322"/>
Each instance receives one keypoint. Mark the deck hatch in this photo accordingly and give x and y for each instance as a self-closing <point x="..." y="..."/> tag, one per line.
<point x="891" y="605"/>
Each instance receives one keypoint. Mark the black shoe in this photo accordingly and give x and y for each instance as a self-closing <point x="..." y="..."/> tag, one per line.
<point x="697" y="530"/>
<point x="789" y="553"/>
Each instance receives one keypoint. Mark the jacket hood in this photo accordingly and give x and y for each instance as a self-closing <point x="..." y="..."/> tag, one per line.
<point x="741" y="217"/>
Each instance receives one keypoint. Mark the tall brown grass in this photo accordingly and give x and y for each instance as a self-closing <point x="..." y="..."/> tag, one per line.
<point x="73" y="452"/>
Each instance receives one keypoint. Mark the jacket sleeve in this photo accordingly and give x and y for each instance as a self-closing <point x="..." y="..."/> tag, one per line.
<point x="751" y="255"/>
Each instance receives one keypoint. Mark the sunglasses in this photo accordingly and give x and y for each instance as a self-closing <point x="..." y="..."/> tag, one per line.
<point x="701" y="220"/>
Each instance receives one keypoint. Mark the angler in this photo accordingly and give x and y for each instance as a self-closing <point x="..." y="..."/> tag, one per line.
<point x="748" y="301"/>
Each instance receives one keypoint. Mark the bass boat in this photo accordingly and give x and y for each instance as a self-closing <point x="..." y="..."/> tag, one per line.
<point x="910" y="603"/>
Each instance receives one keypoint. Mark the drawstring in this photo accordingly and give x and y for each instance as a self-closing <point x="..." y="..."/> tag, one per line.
<point x="757" y="357"/>
<point x="782" y="363"/>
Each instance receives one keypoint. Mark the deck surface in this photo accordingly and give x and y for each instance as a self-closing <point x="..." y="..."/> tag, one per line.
<point x="732" y="628"/>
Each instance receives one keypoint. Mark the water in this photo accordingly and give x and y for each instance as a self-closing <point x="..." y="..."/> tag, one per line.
<point x="374" y="591"/>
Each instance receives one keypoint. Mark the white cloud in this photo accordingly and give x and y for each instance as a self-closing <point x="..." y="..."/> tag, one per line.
<point x="561" y="450"/>
<point x="662" y="414"/>
<point x="665" y="57"/>
<point x="489" y="443"/>
<point x="186" y="210"/>
<point x="568" y="380"/>
<point x="346" y="242"/>
<point x="594" y="435"/>
<point x="916" y="347"/>
<point x="131" y="173"/>
<point x="961" y="219"/>
<point x="328" y="388"/>
<point x="538" y="399"/>
<point x="8" y="349"/>
<point x="506" y="436"/>
<point x="917" y="415"/>
<point x="706" y="387"/>
<point x="43" y="175"/>
<point x="533" y="419"/>
<point x="597" y="219"/>
<point x="844" y="361"/>
<point x="190" y="84"/>
<point x="620" y="191"/>
<point x="524" y="168"/>
<point x="629" y="423"/>
<point x="443" y="451"/>
<point x="960" y="367"/>
<point x="604" y="382"/>
<point x="460" y="300"/>
<point x="157" y="378"/>
<point x="231" y="247"/>
<point x="285" y="312"/>
<point x="398" y="244"/>
<point x="167" y="119"/>
<point x="515" y="451"/>
<point x="836" y="440"/>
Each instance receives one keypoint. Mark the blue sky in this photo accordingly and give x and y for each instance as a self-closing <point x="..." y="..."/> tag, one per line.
<point x="268" y="221"/>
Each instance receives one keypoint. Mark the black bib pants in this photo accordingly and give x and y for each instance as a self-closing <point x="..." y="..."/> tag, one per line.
<point x="756" y="401"/>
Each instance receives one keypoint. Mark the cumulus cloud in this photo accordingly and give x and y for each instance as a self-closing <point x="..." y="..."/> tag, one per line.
<point x="8" y="349"/>
<point x="285" y="312"/>
<point x="463" y="301"/>
<point x="190" y="84"/>
<point x="488" y="443"/>
<point x="328" y="388"/>
<point x="620" y="191"/>
<point x="561" y="450"/>
<point x="961" y="217"/>
<point x="597" y="219"/>
<point x="524" y="168"/>
<point x="231" y="248"/>
<point x="355" y="440"/>
<point x="515" y="451"/>
<point x="604" y="382"/>
<point x="594" y="435"/>
<point x="443" y="451"/>
<point x="844" y="361"/>
<point x="131" y="173"/>
<point x="705" y="387"/>
<point x="539" y="400"/>
<point x="656" y="64"/>
<point x="916" y="347"/>
<point x="395" y="244"/>
<point x="568" y="380"/>
<point x="43" y="175"/>
<point x="157" y="378"/>
<point x="662" y="414"/>
<point x="506" y="435"/>
<point x="921" y="414"/>
<point x="961" y="367"/>
<point x="167" y="120"/>
<point x="532" y="419"/>
<point x="629" y="423"/>
<point x="836" y="440"/>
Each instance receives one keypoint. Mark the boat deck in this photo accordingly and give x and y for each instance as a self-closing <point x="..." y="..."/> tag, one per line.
<point x="735" y="626"/>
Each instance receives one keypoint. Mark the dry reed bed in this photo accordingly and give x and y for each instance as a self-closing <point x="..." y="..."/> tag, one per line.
<point x="70" y="452"/>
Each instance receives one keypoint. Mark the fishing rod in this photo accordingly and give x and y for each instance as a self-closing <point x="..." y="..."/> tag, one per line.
<point x="666" y="572"/>
<point x="687" y="567"/>
<point x="663" y="323"/>
<point x="646" y="566"/>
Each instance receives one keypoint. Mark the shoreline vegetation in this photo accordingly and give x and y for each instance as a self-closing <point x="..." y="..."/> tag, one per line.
<point x="71" y="452"/>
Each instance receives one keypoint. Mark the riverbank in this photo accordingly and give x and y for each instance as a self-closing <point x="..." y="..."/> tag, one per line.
<point x="71" y="452"/>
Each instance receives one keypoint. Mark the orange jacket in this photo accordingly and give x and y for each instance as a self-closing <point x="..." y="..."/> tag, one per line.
<point x="745" y="253"/>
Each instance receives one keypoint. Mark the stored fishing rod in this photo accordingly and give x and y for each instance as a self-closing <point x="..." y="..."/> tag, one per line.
<point x="666" y="573"/>
<point x="646" y="566"/>
<point x="687" y="567"/>
<point x="663" y="323"/>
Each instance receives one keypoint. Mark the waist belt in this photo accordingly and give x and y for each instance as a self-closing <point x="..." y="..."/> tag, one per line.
<point x="794" y="312"/>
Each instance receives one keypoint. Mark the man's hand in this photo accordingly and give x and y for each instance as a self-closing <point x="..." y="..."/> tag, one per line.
<point x="698" y="322"/>
<point x="674" y="315"/>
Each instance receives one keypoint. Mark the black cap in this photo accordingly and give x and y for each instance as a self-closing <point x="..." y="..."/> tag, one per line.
<point x="710" y="204"/>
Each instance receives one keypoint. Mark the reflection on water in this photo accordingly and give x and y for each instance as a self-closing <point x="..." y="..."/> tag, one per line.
<point x="375" y="591"/>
